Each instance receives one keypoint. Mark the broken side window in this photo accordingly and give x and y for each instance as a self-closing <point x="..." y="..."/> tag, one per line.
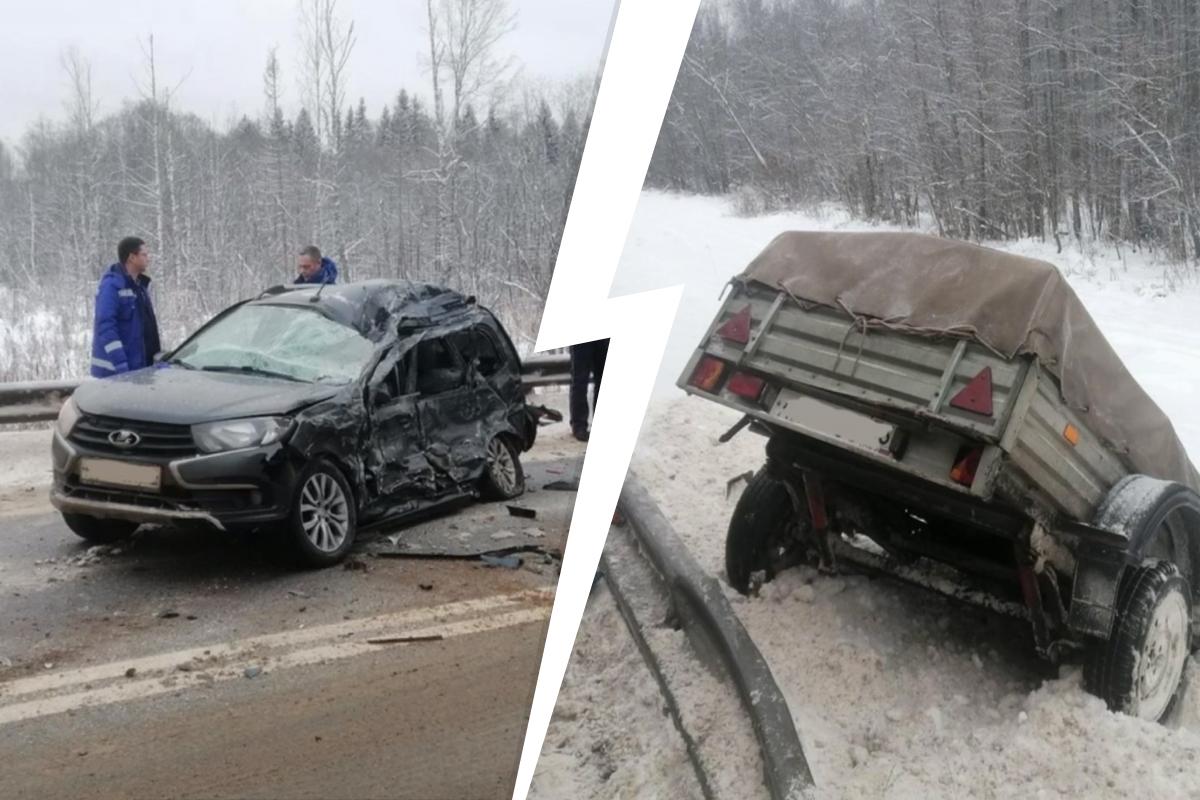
<point x="438" y="370"/>
<point x="487" y="354"/>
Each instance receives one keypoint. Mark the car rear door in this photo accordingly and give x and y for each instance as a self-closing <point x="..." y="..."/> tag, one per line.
<point x="449" y="407"/>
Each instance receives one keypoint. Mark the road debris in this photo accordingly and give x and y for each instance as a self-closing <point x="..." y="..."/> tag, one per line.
<point x="92" y="555"/>
<point x="425" y="587"/>
<point x="434" y="637"/>
<point x="745" y="477"/>
<point x="521" y="511"/>
<point x="507" y="562"/>
<point x="300" y="594"/>
<point x="252" y="672"/>
<point x="129" y="673"/>
<point x="562" y="486"/>
<point x="168" y="613"/>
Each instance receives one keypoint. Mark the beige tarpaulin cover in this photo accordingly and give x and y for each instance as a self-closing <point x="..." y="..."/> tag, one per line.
<point x="1010" y="303"/>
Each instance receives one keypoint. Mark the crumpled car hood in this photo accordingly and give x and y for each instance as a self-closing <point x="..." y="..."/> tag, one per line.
<point x="186" y="397"/>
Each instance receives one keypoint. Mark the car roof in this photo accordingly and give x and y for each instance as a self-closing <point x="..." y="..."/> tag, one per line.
<point x="368" y="305"/>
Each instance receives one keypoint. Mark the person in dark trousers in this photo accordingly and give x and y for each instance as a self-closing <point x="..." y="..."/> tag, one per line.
<point x="315" y="268"/>
<point x="587" y="365"/>
<point x="125" y="331"/>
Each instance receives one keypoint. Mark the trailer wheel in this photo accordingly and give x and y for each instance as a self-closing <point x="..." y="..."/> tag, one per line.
<point x="1139" y="669"/>
<point x="764" y="533"/>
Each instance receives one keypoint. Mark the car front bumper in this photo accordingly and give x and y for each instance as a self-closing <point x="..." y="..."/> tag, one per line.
<point x="235" y="488"/>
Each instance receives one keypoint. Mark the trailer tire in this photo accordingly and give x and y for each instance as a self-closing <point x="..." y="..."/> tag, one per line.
<point x="1139" y="669"/>
<point x="764" y="532"/>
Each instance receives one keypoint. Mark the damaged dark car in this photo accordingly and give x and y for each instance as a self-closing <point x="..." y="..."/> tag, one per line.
<point x="308" y="411"/>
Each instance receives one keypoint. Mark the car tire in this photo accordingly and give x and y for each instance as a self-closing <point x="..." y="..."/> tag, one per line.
<point x="324" y="520"/>
<point x="503" y="476"/>
<point x="1139" y="669"/>
<point x="764" y="535"/>
<point x="99" y="530"/>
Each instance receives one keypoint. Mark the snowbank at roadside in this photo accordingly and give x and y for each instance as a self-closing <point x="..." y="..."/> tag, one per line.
<point x="898" y="692"/>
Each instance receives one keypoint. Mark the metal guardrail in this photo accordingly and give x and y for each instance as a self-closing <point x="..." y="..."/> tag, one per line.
<point x="699" y="600"/>
<point x="40" y="401"/>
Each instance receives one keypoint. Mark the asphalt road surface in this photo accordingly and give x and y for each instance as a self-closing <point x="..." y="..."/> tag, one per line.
<point x="188" y="663"/>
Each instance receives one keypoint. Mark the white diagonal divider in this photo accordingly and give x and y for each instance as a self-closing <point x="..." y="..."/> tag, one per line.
<point x="645" y="48"/>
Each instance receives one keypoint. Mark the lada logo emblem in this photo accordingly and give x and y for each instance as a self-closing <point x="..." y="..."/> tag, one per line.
<point x="124" y="438"/>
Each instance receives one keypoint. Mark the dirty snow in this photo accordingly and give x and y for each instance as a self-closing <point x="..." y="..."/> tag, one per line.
<point x="898" y="692"/>
<point x="598" y="739"/>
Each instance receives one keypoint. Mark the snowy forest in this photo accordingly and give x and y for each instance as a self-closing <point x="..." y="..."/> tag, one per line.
<point x="467" y="189"/>
<point x="996" y="120"/>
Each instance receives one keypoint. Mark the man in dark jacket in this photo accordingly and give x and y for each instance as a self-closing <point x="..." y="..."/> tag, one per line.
<point x="125" y="332"/>
<point x="315" y="268"/>
<point x="587" y="364"/>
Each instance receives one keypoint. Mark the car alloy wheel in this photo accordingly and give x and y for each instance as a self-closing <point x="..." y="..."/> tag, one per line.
<point x="501" y="466"/>
<point x="324" y="512"/>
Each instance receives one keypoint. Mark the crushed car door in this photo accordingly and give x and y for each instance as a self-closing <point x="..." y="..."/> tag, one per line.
<point x="449" y="410"/>
<point x="493" y="379"/>
<point x="396" y="449"/>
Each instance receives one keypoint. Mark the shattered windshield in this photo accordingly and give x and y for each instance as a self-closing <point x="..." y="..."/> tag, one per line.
<point x="285" y="342"/>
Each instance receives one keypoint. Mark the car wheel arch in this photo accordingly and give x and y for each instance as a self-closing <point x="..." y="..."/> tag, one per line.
<point x="339" y="463"/>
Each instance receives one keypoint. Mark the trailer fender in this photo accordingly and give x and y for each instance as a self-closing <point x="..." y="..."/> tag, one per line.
<point x="1154" y="519"/>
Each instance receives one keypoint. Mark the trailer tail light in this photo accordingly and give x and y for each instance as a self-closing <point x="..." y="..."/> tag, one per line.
<point x="737" y="327"/>
<point x="976" y="396"/>
<point x="1071" y="434"/>
<point x="965" y="465"/>
<point x="748" y="387"/>
<point x="707" y="374"/>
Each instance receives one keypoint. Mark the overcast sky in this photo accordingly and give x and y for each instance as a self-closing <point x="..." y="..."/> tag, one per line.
<point x="218" y="48"/>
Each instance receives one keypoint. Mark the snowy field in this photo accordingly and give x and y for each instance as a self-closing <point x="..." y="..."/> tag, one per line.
<point x="897" y="692"/>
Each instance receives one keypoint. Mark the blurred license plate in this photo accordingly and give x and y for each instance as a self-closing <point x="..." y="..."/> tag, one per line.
<point x="119" y="473"/>
<point x="851" y="427"/>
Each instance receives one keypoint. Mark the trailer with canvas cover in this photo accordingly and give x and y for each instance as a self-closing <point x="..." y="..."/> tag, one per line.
<point x="940" y="403"/>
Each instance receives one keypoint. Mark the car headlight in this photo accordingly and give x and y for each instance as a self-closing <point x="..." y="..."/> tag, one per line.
<point x="234" y="434"/>
<point x="68" y="415"/>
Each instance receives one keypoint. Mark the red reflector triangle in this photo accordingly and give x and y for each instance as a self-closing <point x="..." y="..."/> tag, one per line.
<point x="976" y="396"/>
<point x="737" y="327"/>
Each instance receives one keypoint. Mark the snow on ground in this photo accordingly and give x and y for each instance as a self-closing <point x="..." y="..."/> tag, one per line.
<point x="898" y="692"/>
<point x="24" y="470"/>
<point x="698" y="240"/>
<point x="598" y="739"/>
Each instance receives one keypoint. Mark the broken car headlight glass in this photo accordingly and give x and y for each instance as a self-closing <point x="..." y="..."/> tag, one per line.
<point x="68" y="415"/>
<point x="234" y="434"/>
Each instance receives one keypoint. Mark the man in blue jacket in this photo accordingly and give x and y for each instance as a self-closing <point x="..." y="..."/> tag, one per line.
<point x="315" y="268"/>
<point x="125" y="334"/>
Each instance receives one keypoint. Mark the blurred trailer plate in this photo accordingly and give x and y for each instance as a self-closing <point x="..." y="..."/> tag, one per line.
<point x="828" y="421"/>
<point x="107" y="472"/>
